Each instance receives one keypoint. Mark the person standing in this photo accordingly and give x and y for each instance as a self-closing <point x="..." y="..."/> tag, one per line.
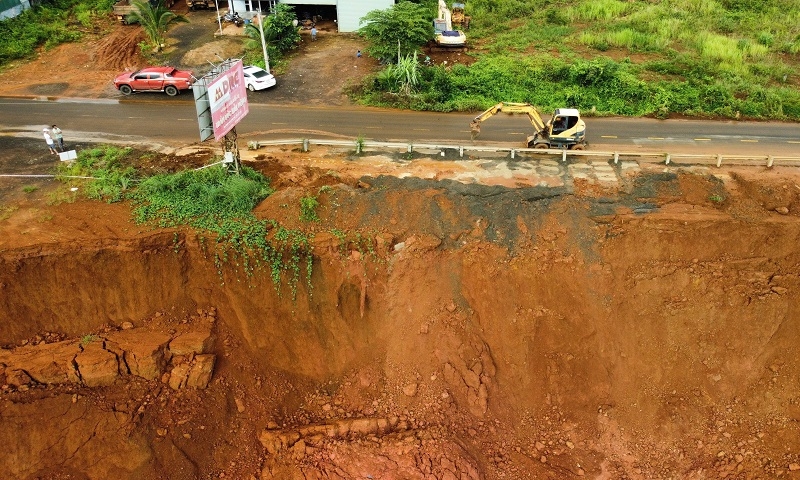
<point x="58" y="137"/>
<point x="313" y="33"/>
<point x="49" y="140"/>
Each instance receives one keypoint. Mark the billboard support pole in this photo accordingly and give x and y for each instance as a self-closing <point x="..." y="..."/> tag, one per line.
<point x="230" y="145"/>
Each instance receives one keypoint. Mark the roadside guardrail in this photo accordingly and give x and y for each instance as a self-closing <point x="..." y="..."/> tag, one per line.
<point x="666" y="158"/>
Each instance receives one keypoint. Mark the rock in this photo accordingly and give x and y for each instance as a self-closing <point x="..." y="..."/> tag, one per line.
<point x="201" y="371"/>
<point x="780" y="290"/>
<point x="422" y="243"/>
<point x="325" y="241"/>
<point x="47" y="363"/>
<point x="364" y="426"/>
<point x="299" y="450"/>
<point x="543" y="459"/>
<point x="97" y="366"/>
<point x="18" y="378"/>
<point x="383" y="242"/>
<point x="410" y="390"/>
<point x="145" y="353"/>
<point x="178" y="376"/>
<point x="471" y="379"/>
<point x="239" y="405"/>
<point x="782" y="210"/>
<point x="197" y="342"/>
<point x="793" y="467"/>
<point x="127" y="325"/>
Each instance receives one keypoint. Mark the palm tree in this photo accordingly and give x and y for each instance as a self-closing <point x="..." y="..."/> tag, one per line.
<point x="154" y="19"/>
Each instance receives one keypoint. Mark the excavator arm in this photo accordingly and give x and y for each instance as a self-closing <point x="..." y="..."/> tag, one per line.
<point x="511" y="108"/>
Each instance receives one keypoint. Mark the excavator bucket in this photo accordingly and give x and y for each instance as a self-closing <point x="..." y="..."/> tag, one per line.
<point x="474" y="129"/>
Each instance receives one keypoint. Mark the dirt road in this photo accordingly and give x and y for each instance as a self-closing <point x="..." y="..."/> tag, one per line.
<point x="315" y="74"/>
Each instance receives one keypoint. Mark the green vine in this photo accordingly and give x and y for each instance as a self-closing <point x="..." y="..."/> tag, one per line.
<point x="212" y="201"/>
<point x="308" y="209"/>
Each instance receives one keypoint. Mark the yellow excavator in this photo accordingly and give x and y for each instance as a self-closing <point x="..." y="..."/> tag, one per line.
<point x="564" y="130"/>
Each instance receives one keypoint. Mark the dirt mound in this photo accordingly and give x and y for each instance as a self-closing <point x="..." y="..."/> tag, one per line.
<point x="225" y="48"/>
<point x="120" y="49"/>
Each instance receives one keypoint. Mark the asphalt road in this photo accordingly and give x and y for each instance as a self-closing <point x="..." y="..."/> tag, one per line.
<point x="156" y="118"/>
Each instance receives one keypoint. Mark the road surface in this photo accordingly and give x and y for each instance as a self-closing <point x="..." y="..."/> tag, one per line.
<point x="155" y="118"/>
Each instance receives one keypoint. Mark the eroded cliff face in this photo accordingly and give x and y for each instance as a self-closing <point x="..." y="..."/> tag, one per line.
<point x="488" y="333"/>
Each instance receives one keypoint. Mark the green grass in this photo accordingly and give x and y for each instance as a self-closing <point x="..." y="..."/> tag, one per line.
<point x="110" y="179"/>
<point x="731" y="58"/>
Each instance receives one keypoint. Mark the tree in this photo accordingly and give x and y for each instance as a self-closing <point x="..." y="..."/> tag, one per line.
<point x="280" y="30"/>
<point x="406" y="23"/>
<point x="155" y="19"/>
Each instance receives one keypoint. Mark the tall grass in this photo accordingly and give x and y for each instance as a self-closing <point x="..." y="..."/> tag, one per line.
<point x="595" y="10"/>
<point x="625" y="38"/>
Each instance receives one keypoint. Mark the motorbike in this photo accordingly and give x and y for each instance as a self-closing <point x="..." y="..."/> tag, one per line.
<point x="233" y="18"/>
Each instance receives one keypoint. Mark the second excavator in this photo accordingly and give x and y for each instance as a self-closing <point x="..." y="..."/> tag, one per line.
<point x="565" y="129"/>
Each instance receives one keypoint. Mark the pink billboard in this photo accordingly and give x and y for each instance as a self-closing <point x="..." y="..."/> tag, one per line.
<point x="228" y="98"/>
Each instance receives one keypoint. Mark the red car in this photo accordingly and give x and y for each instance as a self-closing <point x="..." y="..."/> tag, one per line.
<point x="161" y="79"/>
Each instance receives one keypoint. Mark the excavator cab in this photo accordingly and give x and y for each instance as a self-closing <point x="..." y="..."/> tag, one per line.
<point x="566" y="129"/>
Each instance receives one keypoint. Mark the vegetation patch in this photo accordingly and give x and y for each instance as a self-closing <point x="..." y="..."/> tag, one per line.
<point x="703" y="58"/>
<point x="47" y="25"/>
<point x="210" y="201"/>
<point x="110" y="179"/>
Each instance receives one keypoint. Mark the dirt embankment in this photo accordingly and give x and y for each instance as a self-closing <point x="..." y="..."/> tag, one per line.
<point x="484" y="332"/>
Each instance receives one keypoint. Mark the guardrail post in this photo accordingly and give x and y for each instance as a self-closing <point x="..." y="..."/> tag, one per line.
<point x="668" y="159"/>
<point x="616" y="158"/>
<point x="461" y="152"/>
<point x="564" y="156"/>
<point x="719" y="160"/>
<point x="410" y="148"/>
<point x="770" y="160"/>
<point x="513" y="153"/>
<point x="305" y="144"/>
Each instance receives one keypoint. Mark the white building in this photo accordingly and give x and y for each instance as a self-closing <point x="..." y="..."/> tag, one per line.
<point x="12" y="8"/>
<point x="347" y="13"/>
